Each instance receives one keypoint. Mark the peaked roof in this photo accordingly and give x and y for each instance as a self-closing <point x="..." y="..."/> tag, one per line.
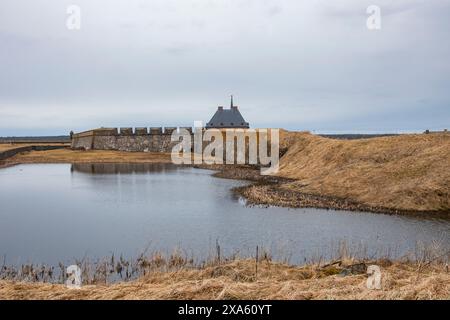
<point x="227" y="118"/>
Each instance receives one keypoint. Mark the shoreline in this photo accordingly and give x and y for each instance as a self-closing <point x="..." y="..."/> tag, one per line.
<point x="262" y="190"/>
<point x="267" y="191"/>
<point x="173" y="278"/>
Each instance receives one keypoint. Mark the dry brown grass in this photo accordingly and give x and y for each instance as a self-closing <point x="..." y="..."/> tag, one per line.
<point x="237" y="280"/>
<point x="9" y="146"/>
<point x="91" y="156"/>
<point x="407" y="172"/>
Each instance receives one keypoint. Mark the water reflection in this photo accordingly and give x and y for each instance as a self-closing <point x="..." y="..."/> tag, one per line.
<point x="58" y="212"/>
<point x="114" y="168"/>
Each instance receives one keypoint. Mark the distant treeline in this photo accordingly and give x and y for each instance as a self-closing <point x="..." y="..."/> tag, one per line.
<point x="357" y="136"/>
<point x="35" y="139"/>
<point x="67" y="138"/>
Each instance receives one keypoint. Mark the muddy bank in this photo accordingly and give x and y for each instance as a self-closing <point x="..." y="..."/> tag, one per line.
<point x="277" y="191"/>
<point x="402" y="173"/>
<point x="286" y="191"/>
<point x="405" y="174"/>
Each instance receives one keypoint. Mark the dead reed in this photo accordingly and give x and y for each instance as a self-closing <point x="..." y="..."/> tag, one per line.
<point x="115" y="269"/>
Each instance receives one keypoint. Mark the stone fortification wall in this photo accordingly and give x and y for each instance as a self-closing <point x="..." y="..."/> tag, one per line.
<point x="155" y="139"/>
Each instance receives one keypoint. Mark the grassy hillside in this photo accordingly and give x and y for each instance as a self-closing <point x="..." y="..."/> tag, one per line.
<point x="407" y="172"/>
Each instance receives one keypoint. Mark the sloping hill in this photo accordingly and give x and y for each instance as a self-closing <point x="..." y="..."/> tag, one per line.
<point x="406" y="172"/>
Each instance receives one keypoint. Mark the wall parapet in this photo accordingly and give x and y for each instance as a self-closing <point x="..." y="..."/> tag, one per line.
<point x="169" y="130"/>
<point x="141" y="131"/>
<point x="156" y="130"/>
<point x="144" y="139"/>
<point x="159" y="139"/>
<point x="129" y="131"/>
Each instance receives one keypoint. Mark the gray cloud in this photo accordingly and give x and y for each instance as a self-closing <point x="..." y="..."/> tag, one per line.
<point x="295" y="64"/>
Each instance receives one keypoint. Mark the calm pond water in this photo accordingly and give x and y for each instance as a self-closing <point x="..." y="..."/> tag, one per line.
<point x="59" y="212"/>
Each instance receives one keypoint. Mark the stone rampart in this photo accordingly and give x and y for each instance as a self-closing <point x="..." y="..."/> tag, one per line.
<point x="142" y="139"/>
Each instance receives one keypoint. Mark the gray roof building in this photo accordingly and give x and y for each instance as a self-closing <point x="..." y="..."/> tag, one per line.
<point x="227" y="118"/>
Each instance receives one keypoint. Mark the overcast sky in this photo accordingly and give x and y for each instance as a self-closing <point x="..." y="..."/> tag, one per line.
<point x="307" y="65"/>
